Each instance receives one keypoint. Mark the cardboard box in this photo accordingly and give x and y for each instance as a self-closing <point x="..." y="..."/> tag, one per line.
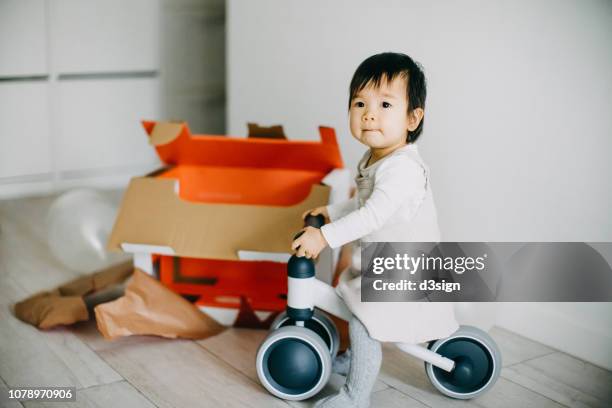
<point x="217" y="222"/>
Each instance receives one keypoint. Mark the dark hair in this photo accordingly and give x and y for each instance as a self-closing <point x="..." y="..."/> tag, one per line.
<point x="387" y="66"/>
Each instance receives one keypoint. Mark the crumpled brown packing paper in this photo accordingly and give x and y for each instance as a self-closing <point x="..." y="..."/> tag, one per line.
<point x="48" y="309"/>
<point x="66" y="304"/>
<point x="149" y="308"/>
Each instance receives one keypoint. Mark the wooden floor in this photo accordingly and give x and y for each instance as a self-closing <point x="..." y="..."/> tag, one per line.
<point x="220" y="372"/>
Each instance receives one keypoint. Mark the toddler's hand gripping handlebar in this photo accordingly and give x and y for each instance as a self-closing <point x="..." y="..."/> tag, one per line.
<point x="301" y="269"/>
<point x="315" y="221"/>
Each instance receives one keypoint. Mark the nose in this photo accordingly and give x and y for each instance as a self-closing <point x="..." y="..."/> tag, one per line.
<point x="368" y="116"/>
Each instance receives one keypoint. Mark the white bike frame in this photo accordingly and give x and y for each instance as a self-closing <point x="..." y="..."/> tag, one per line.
<point x="311" y="292"/>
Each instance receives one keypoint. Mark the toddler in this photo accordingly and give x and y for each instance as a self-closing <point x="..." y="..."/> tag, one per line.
<point x="394" y="203"/>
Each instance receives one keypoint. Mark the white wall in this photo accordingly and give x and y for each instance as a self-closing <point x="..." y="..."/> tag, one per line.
<point x="518" y="128"/>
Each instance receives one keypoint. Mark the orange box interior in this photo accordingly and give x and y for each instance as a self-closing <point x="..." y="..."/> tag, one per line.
<point x="243" y="185"/>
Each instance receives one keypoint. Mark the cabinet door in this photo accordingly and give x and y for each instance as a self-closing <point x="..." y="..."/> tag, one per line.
<point x="99" y="123"/>
<point x="23" y="49"/>
<point x="24" y="124"/>
<point x="104" y="36"/>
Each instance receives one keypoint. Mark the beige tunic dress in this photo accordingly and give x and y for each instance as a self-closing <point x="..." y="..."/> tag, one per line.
<point x="394" y="203"/>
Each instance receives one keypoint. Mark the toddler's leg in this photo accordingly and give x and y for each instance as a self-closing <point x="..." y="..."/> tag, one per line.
<point x="342" y="363"/>
<point x="366" y="357"/>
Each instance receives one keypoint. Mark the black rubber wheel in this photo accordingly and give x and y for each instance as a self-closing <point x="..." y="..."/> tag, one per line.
<point x="320" y="323"/>
<point x="293" y="363"/>
<point x="477" y="363"/>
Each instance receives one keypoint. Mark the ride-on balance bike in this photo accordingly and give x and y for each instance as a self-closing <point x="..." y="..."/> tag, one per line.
<point x="295" y="360"/>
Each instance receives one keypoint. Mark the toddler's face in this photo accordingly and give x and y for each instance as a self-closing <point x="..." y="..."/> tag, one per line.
<point x="378" y="116"/>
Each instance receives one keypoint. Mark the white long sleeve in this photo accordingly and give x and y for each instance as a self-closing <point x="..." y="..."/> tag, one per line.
<point x="342" y="208"/>
<point x="400" y="183"/>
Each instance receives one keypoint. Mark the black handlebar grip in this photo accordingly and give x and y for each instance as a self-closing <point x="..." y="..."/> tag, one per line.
<point x="316" y="221"/>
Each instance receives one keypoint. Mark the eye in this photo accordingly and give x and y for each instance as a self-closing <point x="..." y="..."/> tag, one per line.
<point x="359" y="104"/>
<point x="386" y="105"/>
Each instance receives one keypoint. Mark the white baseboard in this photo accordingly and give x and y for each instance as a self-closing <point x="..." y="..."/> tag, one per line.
<point x="27" y="188"/>
<point x="580" y="329"/>
<point x="46" y="184"/>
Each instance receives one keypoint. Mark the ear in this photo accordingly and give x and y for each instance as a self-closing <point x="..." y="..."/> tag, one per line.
<point x="414" y="118"/>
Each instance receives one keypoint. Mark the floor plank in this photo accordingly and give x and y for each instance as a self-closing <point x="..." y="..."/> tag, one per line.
<point x="28" y="360"/>
<point x="24" y="247"/>
<point x="241" y="356"/>
<point x="386" y="397"/>
<point x="84" y="363"/>
<point x="541" y="383"/>
<point x="516" y="348"/>
<point x="392" y="398"/>
<point x="407" y="374"/>
<point x="28" y="260"/>
<point x="507" y="394"/>
<point x="564" y="379"/>
<point x="118" y="394"/>
<point x="179" y="373"/>
<point x="5" y="402"/>
<point x="31" y="357"/>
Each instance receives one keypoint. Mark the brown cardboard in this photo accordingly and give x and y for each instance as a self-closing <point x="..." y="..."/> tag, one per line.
<point x="149" y="308"/>
<point x="165" y="132"/>
<point x="272" y="132"/>
<point x="152" y="214"/>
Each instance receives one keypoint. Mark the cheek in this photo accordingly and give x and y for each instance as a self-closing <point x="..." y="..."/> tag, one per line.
<point x="397" y="122"/>
<point x="354" y="123"/>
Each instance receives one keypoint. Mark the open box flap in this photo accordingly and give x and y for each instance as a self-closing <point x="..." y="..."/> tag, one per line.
<point x="176" y="145"/>
<point x="153" y="214"/>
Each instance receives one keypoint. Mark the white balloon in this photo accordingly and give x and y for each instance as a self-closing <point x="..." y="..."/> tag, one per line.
<point x="479" y="314"/>
<point x="79" y="223"/>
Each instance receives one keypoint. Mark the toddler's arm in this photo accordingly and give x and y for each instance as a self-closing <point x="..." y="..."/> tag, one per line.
<point x="397" y="181"/>
<point x="342" y="208"/>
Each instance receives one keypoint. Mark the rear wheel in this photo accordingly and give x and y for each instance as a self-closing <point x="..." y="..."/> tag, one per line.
<point x="477" y="363"/>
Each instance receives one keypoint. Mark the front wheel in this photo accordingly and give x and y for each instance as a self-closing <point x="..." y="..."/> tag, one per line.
<point x="293" y="363"/>
<point x="477" y="363"/>
<point x="320" y="323"/>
